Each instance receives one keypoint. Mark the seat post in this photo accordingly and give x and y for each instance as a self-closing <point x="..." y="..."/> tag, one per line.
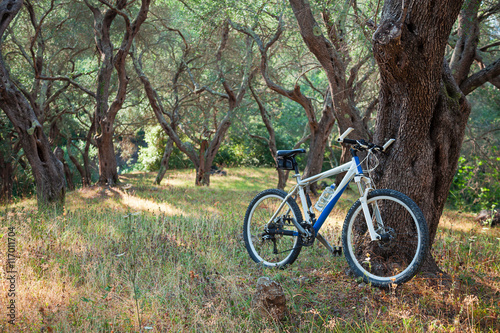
<point x="296" y="167"/>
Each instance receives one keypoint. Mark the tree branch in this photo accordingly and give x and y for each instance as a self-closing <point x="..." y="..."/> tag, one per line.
<point x="479" y="78"/>
<point x="67" y="79"/>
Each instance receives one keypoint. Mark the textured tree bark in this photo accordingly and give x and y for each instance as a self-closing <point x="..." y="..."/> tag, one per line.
<point x="47" y="169"/>
<point x="421" y="106"/>
<point x="466" y="50"/>
<point x="202" y="179"/>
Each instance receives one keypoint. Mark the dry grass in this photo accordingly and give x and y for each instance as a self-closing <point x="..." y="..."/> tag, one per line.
<point x="169" y="258"/>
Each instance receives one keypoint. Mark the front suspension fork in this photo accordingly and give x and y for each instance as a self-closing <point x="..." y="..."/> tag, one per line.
<point x="365" y="186"/>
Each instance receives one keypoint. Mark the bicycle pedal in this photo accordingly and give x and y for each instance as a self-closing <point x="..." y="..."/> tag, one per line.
<point x="337" y="251"/>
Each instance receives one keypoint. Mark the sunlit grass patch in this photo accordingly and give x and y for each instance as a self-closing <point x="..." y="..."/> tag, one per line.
<point x="170" y="257"/>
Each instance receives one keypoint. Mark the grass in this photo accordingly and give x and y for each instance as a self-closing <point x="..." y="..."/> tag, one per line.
<point x="170" y="258"/>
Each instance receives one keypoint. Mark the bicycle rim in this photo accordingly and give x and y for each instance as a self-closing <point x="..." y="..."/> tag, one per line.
<point x="395" y="260"/>
<point x="271" y="250"/>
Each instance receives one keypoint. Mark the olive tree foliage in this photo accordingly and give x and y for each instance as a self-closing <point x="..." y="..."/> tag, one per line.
<point x="47" y="58"/>
<point x="474" y="53"/>
<point x="50" y="59"/>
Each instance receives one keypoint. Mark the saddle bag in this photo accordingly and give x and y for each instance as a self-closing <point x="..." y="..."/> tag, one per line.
<point x="285" y="163"/>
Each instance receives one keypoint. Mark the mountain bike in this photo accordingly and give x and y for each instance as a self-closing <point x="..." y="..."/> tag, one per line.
<point x="384" y="236"/>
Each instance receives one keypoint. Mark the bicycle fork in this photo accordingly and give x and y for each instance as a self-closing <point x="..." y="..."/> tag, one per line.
<point x="365" y="186"/>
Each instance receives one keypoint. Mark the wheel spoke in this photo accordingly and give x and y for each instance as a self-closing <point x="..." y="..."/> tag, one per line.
<point x="397" y="257"/>
<point x="268" y="248"/>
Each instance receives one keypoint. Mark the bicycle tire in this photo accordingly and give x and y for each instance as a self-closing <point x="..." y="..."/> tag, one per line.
<point x="390" y="261"/>
<point x="271" y="250"/>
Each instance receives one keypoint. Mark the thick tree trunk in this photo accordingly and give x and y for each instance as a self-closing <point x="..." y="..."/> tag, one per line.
<point x="203" y="170"/>
<point x="202" y="175"/>
<point x="420" y="106"/>
<point x="46" y="168"/>
<point x="104" y="115"/>
<point x="208" y="150"/>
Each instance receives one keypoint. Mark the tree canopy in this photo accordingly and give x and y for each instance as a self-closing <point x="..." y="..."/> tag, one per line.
<point x="230" y="83"/>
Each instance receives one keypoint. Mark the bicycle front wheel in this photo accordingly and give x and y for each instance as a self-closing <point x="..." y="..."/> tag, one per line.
<point x="398" y="256"/>
<point x="264" y="245"/>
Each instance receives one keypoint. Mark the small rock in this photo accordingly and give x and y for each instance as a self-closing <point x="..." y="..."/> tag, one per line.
<point x="270" y="298"/>
<point x="490" y="216"/>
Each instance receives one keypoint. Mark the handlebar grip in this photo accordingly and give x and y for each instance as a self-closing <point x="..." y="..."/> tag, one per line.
<point x="350" y="141"/>
<point x="387" y="144"/>
<point x="346" y="133"/>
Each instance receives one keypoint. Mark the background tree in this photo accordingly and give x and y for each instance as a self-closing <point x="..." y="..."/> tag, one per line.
<point x="474" y="55"/>
<point x="47" y="56"/>
<point x="208" y="137"/>
<point x="319" y="129"/>
<point x="337" y="60"/>
<point x="47" y="169"/>
<point x="105" y="113"/>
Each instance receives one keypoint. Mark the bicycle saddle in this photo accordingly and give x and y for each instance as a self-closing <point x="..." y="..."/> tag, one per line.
<point x="290" y="153"/>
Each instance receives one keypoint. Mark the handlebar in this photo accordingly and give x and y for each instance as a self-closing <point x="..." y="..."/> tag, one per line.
<point x="346" y="133"/>
<point x="362" y="144"/>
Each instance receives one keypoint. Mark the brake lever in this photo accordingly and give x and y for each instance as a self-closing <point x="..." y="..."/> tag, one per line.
<point x="387" y="144"/>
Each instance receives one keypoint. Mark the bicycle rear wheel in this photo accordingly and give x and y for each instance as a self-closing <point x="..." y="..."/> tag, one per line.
<point x="399" y="255"/>
<point x="272" y="250"/>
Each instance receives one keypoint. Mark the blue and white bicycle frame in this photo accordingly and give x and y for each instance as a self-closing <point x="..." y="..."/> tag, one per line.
<point x="363" y="182"/>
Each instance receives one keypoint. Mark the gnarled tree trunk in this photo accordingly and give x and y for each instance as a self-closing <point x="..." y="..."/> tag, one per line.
<point x="420" y="104"/>
<point x="47" y="169"/>
<point x="105" y="114"/>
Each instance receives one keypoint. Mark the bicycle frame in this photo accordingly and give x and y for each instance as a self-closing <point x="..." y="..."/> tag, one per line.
<point x="354" y="171"/>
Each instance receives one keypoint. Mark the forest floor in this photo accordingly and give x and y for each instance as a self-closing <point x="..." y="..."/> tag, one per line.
<point x="158" y="258"/>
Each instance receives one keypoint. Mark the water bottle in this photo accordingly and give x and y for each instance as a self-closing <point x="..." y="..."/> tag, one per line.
<point x="325" y="198"/>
